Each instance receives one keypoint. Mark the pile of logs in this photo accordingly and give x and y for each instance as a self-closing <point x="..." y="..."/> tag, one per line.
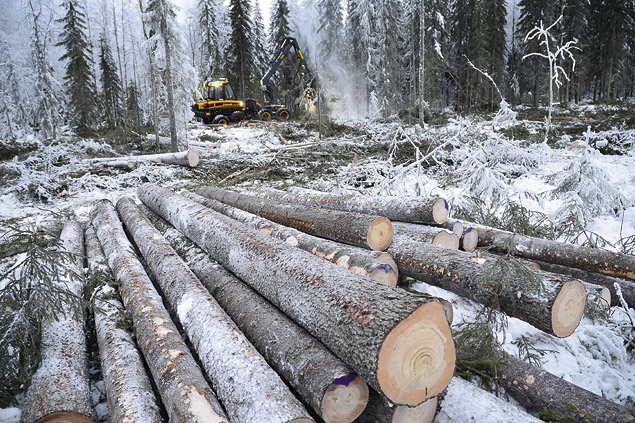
<point x="290" y="304"/>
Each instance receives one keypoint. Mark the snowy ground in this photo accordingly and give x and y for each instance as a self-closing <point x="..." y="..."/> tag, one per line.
<point x="501" y="164"/>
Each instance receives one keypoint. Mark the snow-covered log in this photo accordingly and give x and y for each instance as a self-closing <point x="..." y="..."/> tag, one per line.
<point x="184" y="391"/>
<point x="246" y="385"/>
<point x="426" y="234"/>
<point x="538" y="390"/>
<point x="363" y="230"/>
<point x="399" y="343"/>
<point x="59" y="388"/>
<point x="593" y="259"/>
<point x="128" y="388"/>
<point x="379" y="410"/>
<point x="323" y="381"/>
<point x="118" y="164"/>
<point x="400" y="209"/>
<point x="373" y="264"/>
<point x="188" y="158"/>
<point x="557" y="309"/>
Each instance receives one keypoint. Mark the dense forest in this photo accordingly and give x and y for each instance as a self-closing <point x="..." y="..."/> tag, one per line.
<point x="98" y="64"/>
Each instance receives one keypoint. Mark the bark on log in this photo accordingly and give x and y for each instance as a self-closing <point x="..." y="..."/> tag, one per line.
<point x="400" y="344"/>
<point x="401" y="209"/>
<point x="539" y="390"/>
<point x="128" y="388"/>
<point x="557" y="310"/>
<point x="593" y="259"/>
<point x="181" y="384"/>
<point x="366" y="231"/>
<point x="188" y="158"/>
<point x="246" y="385"/>
<point x="59" y="388"/>
<point x="426" y="234"/>
<point x="379" y="410"/>
<point x="323" y="381"/>
<point x="373" y="264"/>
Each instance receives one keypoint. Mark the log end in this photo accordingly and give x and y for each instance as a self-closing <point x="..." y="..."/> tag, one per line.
<point x="65" y="417"/>
<point x="457" y="228"/>
<point x="385" y="274"/>
<point x="345" y="399"/>
<point x="440" y="210"/>
<point x="386" y="258"/>
<point x="416" y="360"/>
<point x="568" y="308"/>
<point x="470" y="240"/>
<point x="380" y="233"/>
<point x="192" y="157"/>
<point x="447" y="240"/>
<point x="448" y="310"/>
<point x="423" y="413"/>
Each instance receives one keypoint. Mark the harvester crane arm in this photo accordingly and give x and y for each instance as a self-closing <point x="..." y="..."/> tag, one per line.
<point x="302" y="72"/>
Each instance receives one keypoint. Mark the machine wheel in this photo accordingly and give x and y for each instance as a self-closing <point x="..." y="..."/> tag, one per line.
<point x="221" y="120"/>
<point x="284" y="114"/>
<point x="264" y="114"/>
<point x="238" y="117"/>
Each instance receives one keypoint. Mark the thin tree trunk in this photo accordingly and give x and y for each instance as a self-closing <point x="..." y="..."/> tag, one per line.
<point x="244" y="382"/>
<point x="366" y="231"/>
<point x="376" y="330"/>
<point x="153" y="80"/>
<point x="169" y="85"/>
<point x="358" y="260"/>
<point x="128" y="388"/>
<point x="181" y="384"/>
<point x="303" y="361"/>
<point x="60" y="387"/>
<point x="557" y="309"/>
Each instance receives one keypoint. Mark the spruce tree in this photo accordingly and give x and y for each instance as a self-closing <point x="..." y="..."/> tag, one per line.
<point x="437" y="48"/>
<point x="110" y="84"/>
<point x="212" y="65"/>
<point x="260" y="52"/>
<point x="575" y="21"/>
<point x="330" y="32"/>
<point x="361" y="44"/>
<point x="279" y="31"/>
<point x="133" y="109"/>
<point x="79" y="74"/>
<point x="239" y="54"/>
<point x="463" y="22"/>
<point x="494" y="20"/>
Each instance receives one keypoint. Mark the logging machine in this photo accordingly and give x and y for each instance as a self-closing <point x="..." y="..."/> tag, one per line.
<point x="221" y="106"/>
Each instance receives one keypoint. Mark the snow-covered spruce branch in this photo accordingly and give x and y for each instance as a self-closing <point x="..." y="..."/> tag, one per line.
<point x="505" y="115"/>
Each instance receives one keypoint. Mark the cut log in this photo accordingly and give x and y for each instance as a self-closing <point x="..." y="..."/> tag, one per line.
<point x="556" y="310"/>
<point x="401" y="209"/>
<point x="323" y="381"/>
<point x="118" y="164"/>
<point x="379" y="410"/>
<point x="128" y="388"/>
<point x="538" y="390"/>
<point x="426" y="234"/>
<point x="376" y="265"/>
<point x="593" y="259"/>
<point x="243" y="381"/>
<point x="188" y="158"/>
<point x="400" y="344"/>
<point x="457" y="228"/>
<point x="469" y="240"/>
<point x="184" y="392"/>
<point x="59" y="388"/>
<point x="366" y="231"/>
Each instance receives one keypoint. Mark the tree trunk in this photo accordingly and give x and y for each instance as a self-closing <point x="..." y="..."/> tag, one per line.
<point x="181" y="384"/>
<point x="376" y="330"/>
<point x="379" y="410"/>
<point x="60" y="388"/>
<point x="539" y="390"/>
<point x="402" y="209"/>
<point x="128" y="388"/>
<point x="155" y="100"/>
<point x="243" y="381"/>
<point x="188" y="158"/>
<point x="303" y="361"/>
<point x="426" y="234"/>
<point x="118" y="164"/>
<point x="169" y="86"/>
<point x="358" y="260"/>
<point x="593" y="259"/>
<point x="556" y="309"/>
<point x="366" y="231"/>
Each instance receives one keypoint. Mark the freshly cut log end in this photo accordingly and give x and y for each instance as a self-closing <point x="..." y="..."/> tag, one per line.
<point x="416" y="360"/>
<point x="440" y="211"/>
<point x="65" y="418"/>
<point x="345" y="399"/>
<point x="385" y="274"/>
<point x="470" y="240"/>
<point x="423" y="413"/>
<point x="457" y="228"/>
<point x="380" y="233"/>
<point x="192" y="157"/>
<point x="535" y="266"/>
<point x="447" y="240"/>
<point x="568" y="308"/>
<point x="448" y="310"/>
<point x="601" y="295"/>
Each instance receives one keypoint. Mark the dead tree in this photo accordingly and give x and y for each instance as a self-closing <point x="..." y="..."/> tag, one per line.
<point x="378" y="331"/>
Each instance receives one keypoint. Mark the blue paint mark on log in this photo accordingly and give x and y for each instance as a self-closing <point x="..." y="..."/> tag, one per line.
<point x="447" y="206"/>
<point x="345" y="380"/>
<point x="387" y="268"/>
<point x="468" y="230"/>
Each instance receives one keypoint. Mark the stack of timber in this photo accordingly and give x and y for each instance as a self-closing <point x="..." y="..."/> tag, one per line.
<point x="400" y="344"/>
<point x="187" y="158"/>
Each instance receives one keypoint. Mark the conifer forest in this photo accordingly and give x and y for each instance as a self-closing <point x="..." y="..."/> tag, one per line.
<point x="267" y="211"/>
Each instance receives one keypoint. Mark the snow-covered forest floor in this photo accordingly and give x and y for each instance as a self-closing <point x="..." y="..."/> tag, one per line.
<point x="492" y="169"/>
